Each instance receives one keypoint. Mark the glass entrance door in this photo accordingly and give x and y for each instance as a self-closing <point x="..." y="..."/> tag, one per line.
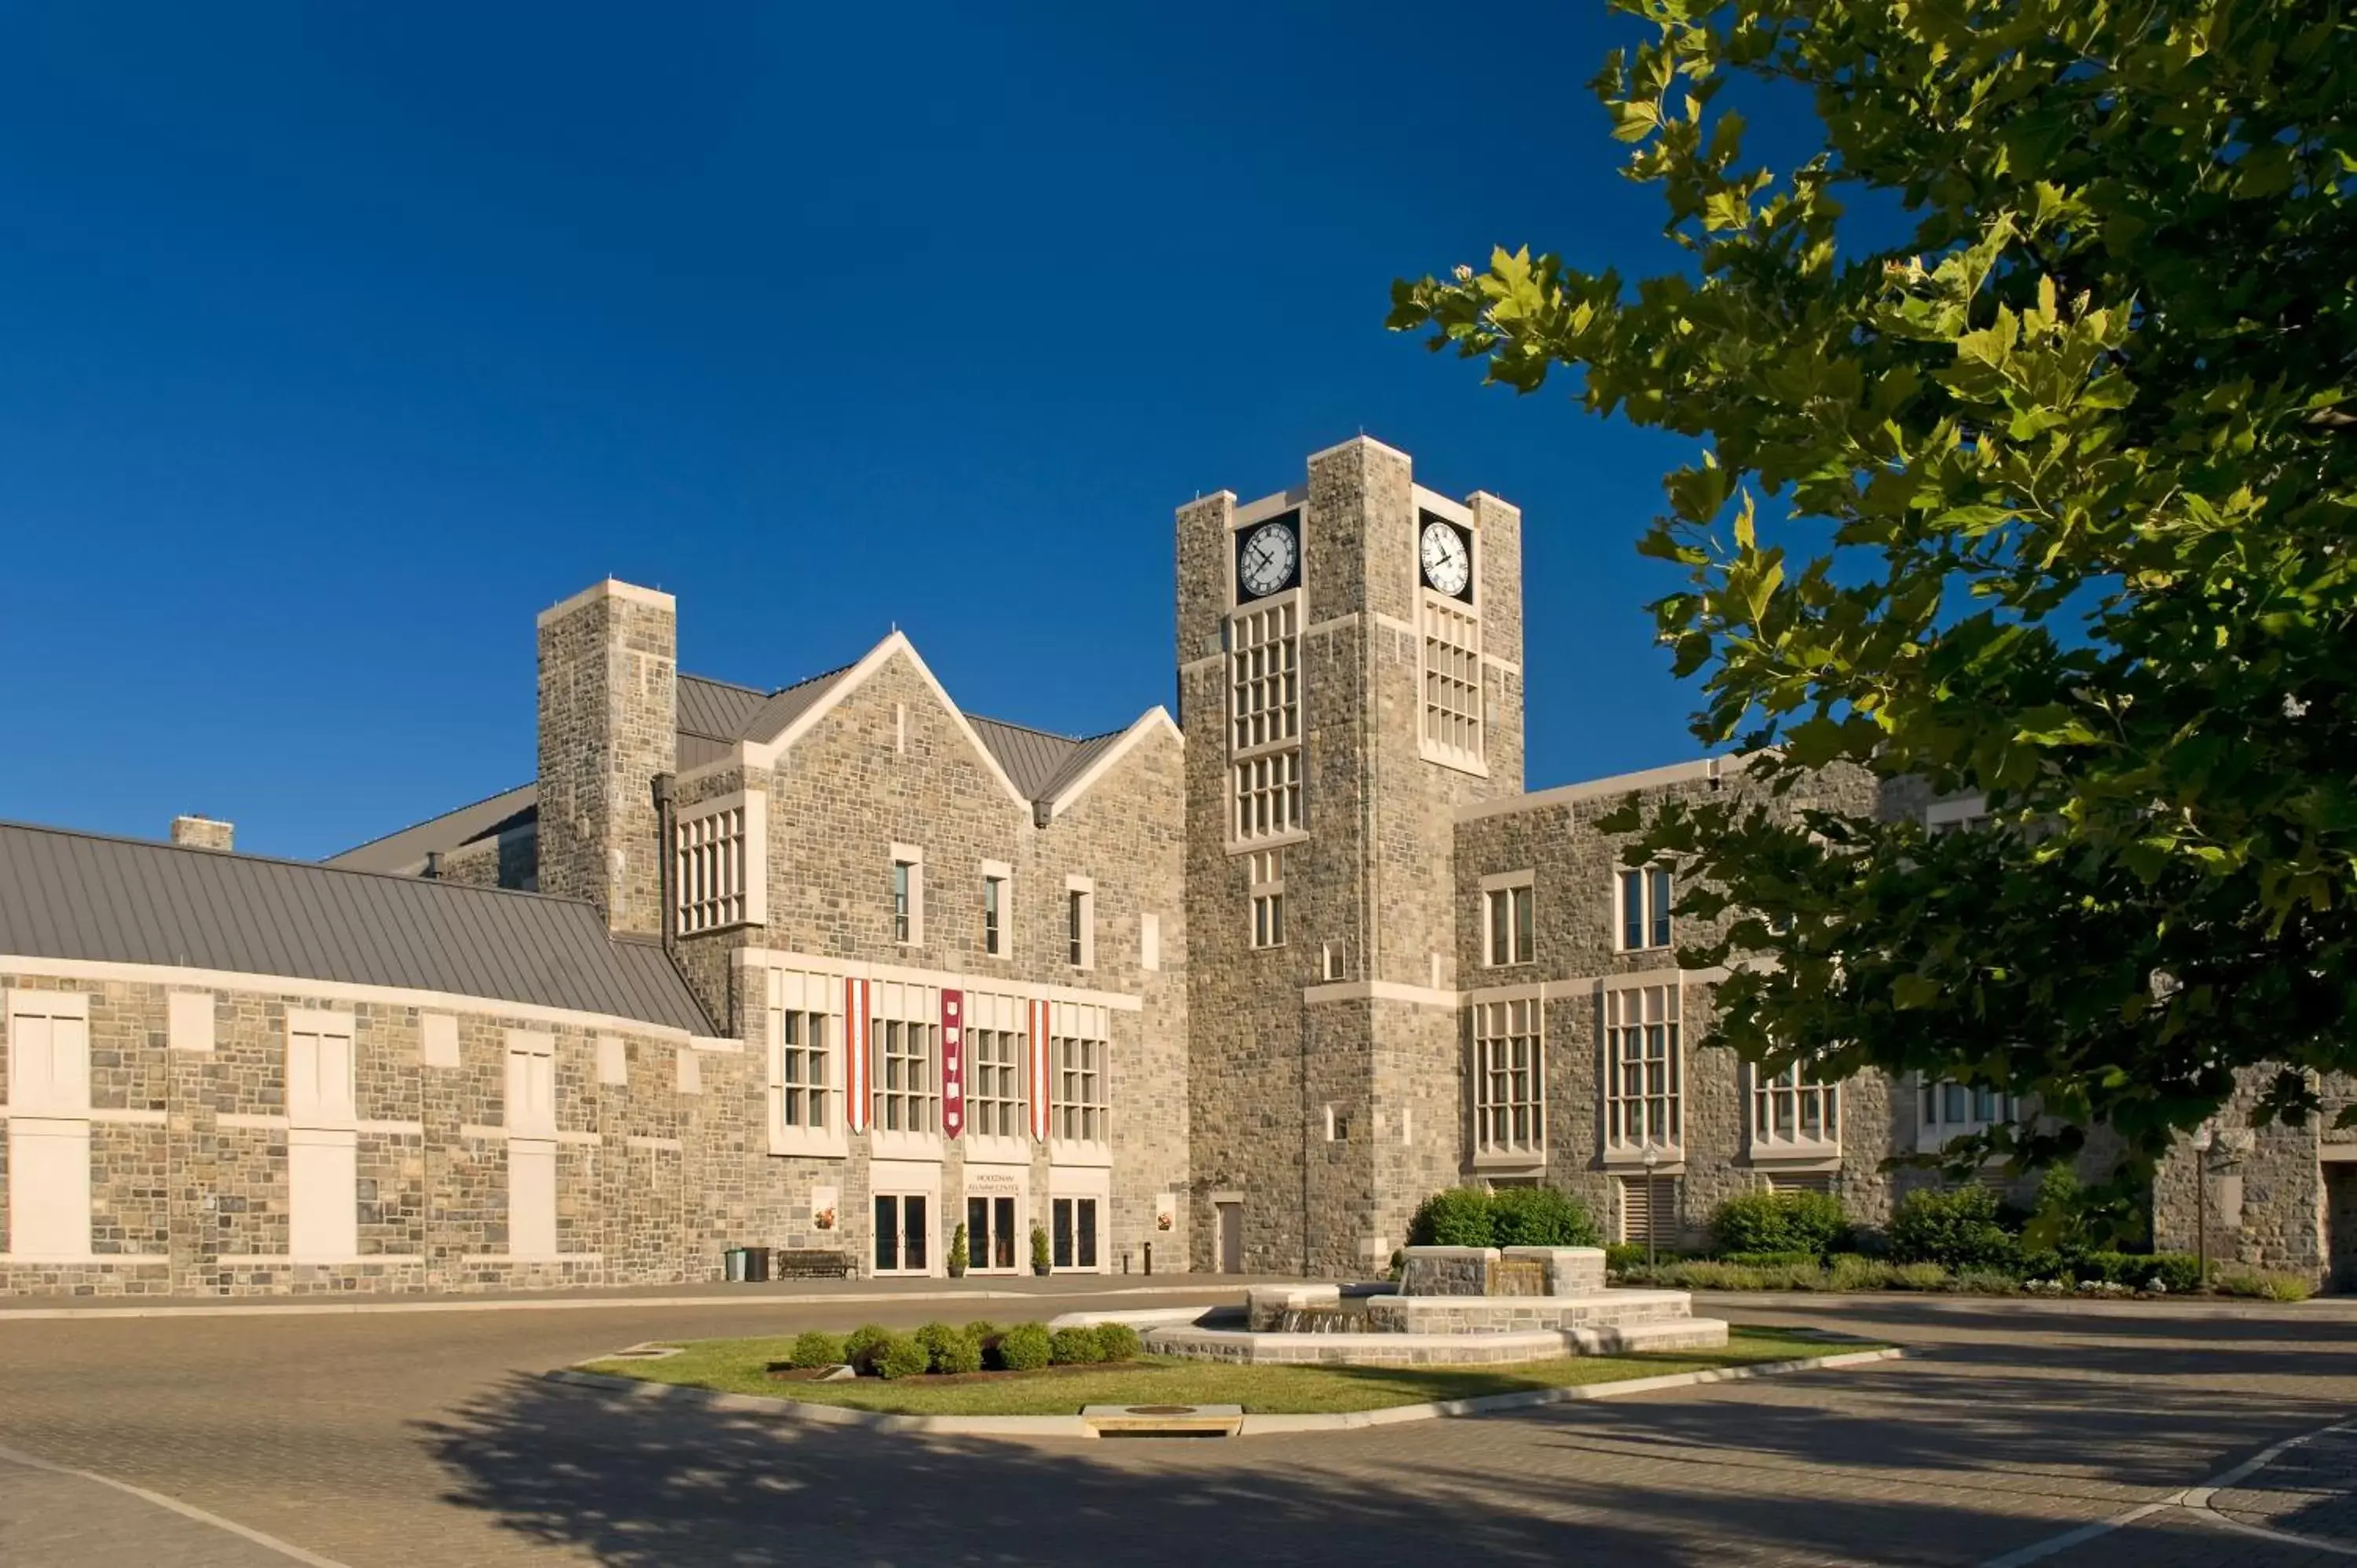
<point x="1075" y="1233"/>
<point x="990" y="1234"/>
<point x="900" y="1233"/>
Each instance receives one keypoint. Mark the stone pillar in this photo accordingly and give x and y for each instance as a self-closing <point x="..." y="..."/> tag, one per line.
<point x="204" y="833"/>
<point x="608" y="684"/>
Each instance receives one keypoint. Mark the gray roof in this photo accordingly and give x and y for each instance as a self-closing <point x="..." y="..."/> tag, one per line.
<point x="783" y="706"/>
<point x="715" y="709"/>
<point x="1036" y="760"/>
<point x="405" y="851"/>
<point x="77" y="896"/>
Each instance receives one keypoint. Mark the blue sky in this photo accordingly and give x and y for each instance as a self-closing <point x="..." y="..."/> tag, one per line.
<point x="335" y="342"/>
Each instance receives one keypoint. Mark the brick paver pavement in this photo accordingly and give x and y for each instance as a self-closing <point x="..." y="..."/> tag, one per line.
<point x="411" y="1440"/>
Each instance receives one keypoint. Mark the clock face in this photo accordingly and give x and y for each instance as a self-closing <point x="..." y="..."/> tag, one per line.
<point x="1268" y="560"/>
<point x="1447" y="562"/>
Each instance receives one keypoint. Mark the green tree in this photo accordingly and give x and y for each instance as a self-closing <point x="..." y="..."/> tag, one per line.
<point x="2062" y="482"/>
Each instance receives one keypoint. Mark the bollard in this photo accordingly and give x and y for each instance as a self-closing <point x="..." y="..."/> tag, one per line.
<point x="1149" y="1257"/>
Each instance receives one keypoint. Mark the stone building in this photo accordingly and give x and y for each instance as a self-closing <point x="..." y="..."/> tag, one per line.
<point x="837" y="966"/>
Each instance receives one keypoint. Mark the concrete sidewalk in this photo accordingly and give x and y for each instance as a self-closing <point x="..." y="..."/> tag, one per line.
<point x="2321" y="1311"/>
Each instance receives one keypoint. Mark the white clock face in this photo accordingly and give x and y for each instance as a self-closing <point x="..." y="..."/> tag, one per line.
<point x="1267" y="560"/>
<point x="1446" y="564"/>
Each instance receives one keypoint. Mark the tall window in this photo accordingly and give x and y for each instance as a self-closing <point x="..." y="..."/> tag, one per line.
<point x="993" y="931"/>
<point x="907" y="895"/>
<point x="1511" y="939"/>
<point x="1267" y="872"/>
<point x="1509" y="1083"/>
<point x="1264" y="711"/>
<point x="1081" y="926"/>
<point x="713" y="865"/>
<point x="1078" y="1103"/>
<point x="993" y="1096"/>
<point x="1452" y="682"/>
<point x="907" y="1093"/>
<point x="1645" y="909"/>
<point x="1951" y="1109"/>
<point x="1643" y="1068"/>
<point x="802" y="1067"/>
<point x="1789" y="1108"/>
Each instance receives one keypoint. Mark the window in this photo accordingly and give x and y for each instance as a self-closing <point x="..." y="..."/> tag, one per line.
<point x="721" y="865"/>
<point x="1790" y="1109"/>
<point x="1080" y="923"/>
<point x="1265" y="712"/>
<point x="803" y="1076"/>
<point x="1510" y="939"/>
<point x="1641" y="1068"/>
<point x="902" y="1233"/>
<point x="1952" y="1111"/>
<point x="1452" y="682"/>
<point x="908" y="1096"/>
<point x="993" y="931"/>
<point x="907" y="895"/>
<point x="1645" y="909"/>
<point x="1080" y="1115"/>
<point x="1509" y="1082"/>
<point x="1267" y="880"/>
<point x="993" y="1096"/>
<point x="1959" y="816"/>
<point x="48" y="1142"/>
<point x="1075" y="1233"/>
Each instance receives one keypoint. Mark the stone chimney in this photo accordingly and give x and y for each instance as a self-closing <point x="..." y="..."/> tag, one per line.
<point x="608" y="695"/>
<point x="203" y="833"/>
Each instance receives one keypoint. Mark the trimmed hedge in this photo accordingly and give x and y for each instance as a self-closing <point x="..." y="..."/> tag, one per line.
<point x="1024" y="1347"/>
<point x="1770" y="1260"/>
<point x="1075" y="1348"/>
<point x="899" y="1356"/>
<point x="1808" y="1223"/>
<point x="1955" y="1228"/>
<point x="1117" y="1342"/>
<point x="949" y="1349"/>
<point x="859" y="1347"/>
<point x="1511" y="1217"/>
<point x="815" y="1348"/>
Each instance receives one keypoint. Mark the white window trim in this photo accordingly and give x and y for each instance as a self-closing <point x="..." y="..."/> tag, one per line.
<point x="913" y="858"/>
<point x="809" y="991"/>
<point x="1931" y="1137"/>
<point x="923" y="1012"/>
<point x="1782" y="1152"/>
<point x="1086" y="888"/>
<point x="998" y="871"/>
<point x="1522" y="1159"/>
<point x="1264" y="878"/>
<point x="1508" y="883"/>
<point x="1294" y="601"/>
<point x="1619" y="932"/>
<point x="999" y="1015"/>
<point x="752" y="859"/>
<point x="1945" y="816"/>
<point x="1621" y="1154"/>
<point x="1149" y="940"/>
<point x="1432" y="605"/>
<point x="1075" y="1021"/>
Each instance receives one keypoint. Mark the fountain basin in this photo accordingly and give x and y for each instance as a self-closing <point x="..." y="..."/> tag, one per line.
<point x="1516" y="1314"/>
<point x="1440" y="1350"/>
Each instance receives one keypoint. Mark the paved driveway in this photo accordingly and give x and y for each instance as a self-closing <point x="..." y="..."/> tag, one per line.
<point x="403" y="1440"/>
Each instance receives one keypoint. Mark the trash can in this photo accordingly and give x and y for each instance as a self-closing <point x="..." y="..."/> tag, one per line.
<point x="757" y="1265"/>
<point x="733" y="1262"/>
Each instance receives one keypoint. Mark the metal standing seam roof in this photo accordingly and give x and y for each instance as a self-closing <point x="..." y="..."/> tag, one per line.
<point x="717" y="710"/>
<point x="1033" y="758"/>
<point x="82" y="896"/>
<point x="405" y="851"/>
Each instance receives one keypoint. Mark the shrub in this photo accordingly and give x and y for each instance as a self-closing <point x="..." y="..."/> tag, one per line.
<point x="815" y="1348"/>
<point x="859" y="1347"/>
<point x="959" y="1259"/>
<point x="1769" y="1260"/>
<point x="1807" y="1222"/>
<point x="1955" y="1228"/>
<point x="1117" y="1342"/>
<point x="1620" y="1257"/>
<point x="899" y="1356"/>
<point x="2265" y="1284"/>
<point x="1075" y="1348"/>
<point x="981" y="1329"/>
<point x="1539" y="1216"/>
<point x="949" y="1349"/>
<point x="1919" y="1276"/>
<point x="2179" y="1274"/>
<point x="1987" y="1282"/>
<point x="1024" y="1347"/>
<point x="2042" y="1264"/>
<point x="1458" y="1217"/>
<point x="1039" y="1249"/>
<point x="1849" y="1270"/>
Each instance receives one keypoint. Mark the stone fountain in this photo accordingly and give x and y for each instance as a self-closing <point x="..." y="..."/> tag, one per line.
<point x="1453" y="1305"/>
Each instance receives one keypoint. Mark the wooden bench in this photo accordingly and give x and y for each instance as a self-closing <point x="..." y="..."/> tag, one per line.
<point x="806" y="1263"/>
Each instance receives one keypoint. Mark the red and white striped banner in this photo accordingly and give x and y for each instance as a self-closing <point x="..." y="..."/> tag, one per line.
<point x="953" y="1062"/>
<point x="1039" y="1011"/>
<point x="856" y="1066"/>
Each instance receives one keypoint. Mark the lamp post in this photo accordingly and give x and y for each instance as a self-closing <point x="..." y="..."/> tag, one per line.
<point x="2203" y="1140"/>
<point x="1653" y="1214"/>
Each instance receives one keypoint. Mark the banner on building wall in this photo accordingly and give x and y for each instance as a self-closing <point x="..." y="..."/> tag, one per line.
<point x="854" y="1053"/>
<point x="953" y="1062"/>
<point x="1036" y="1040"/>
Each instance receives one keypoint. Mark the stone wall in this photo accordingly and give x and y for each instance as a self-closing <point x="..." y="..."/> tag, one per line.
<point x="608" y="684"/>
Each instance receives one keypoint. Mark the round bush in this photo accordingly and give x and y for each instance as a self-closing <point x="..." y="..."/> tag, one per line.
<point x="814" y="1348"/>
<point x="1539" y="1216"/>
<point x="1075" y="1348"/>
<point x="859" y="1347"/>
<point x="1810" y="1222"/>
<point x="1024" y="1347"/>
<point x="949" y="1349"/>
<point x="900" y="1357"/>
<point x="1955" y="1228"/>
<point x="1117" y="1342"/>
<point x="1458" y="1217"/>
<point x="982" y="1329"/>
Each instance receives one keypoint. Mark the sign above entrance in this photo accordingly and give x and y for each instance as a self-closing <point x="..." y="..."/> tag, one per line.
<point x="978" y="1179"/>
<point x="953" y="1062"/>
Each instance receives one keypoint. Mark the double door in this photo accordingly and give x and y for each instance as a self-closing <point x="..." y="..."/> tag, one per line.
<point x="1074" y="1233"/>
<point x="991" y="1241"/>
<point x="903" y="1227"/>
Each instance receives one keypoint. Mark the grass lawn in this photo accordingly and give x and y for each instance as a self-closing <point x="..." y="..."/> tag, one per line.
<point x="740" y="1366"/>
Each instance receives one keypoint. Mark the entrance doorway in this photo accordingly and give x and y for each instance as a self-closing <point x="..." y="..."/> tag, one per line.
<point x="1231" y="1238"/>
<point x="2341" y="1225"/>
<point x="1074" y="1233"/>
<point x="990" y="1234"/>
<point x="900" y="1233"/>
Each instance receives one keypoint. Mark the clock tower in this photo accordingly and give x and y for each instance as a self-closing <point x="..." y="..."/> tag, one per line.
<point x="1350" y="675"/>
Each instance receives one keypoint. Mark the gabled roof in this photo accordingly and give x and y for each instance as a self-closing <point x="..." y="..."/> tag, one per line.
<point x="1033" y="758"/>
<point x="404" y="852"/>
<point x="716" y="709"/>
<point x="81" y="896"/>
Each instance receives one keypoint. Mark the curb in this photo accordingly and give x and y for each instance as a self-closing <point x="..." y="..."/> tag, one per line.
<point x="1254" y="1425"/>
<point x="2314" y="1310"/>
<point x="570" y="1304"/>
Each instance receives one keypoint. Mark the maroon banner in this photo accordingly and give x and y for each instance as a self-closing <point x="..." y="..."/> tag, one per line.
<point x="953" y="1062"/>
